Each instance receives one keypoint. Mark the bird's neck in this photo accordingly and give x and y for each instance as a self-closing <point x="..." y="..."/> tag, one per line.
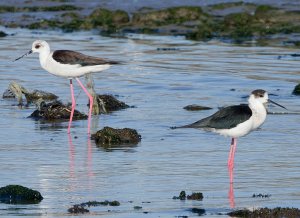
<point x="259" y="111"/>
<point x="43" y="56"/>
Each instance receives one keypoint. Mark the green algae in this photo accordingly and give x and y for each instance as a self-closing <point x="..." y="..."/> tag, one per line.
<point x="17" y="194"/>
<point x="174" y="15"/>
<point x="111" y="136"/>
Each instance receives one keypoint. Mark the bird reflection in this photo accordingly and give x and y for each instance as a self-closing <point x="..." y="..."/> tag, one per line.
<point x="231" y="189"/>
<point x="88" y="161"/>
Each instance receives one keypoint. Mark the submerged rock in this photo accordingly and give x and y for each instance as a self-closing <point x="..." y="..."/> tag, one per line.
<point x="199" y="211"/>
<point x="182" y="196"/>
<point x="3" y="34"/>
<point x="108" y="103"/>
<point x="193" y="196"/>
<point x="17" y="91"/>
<point x="195" y="107"/>
<point x="111" y="136"/>
<point x="80" y="208"/>
<point x="55" y="111"/>
<point x="277" y="212"/>
<point x="38" y="94"/>
<point x="17" y="194"/>
<point x="296" y="90"/>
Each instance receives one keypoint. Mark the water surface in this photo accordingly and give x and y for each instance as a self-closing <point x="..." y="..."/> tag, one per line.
<point x="159" y="83"/>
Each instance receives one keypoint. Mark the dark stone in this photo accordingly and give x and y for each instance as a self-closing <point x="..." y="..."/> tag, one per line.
<point x="277" y="212"/>
<point x="38" y="94"/>
<point x="3" y="34"/>
<point x="199" y="211"/>
<point x="16" y="194"/>
<point x="182" y="196"/>
<point x="78" y="209"/>
<point x="296" y="90"/>
<point x="55" y="111"/>
<point x="111" y="136"/>
<point x="137" y="207"/>
<point x="195" y="107"/>
<point x="261" y="195"/>
<point x="195" y="196"/>
<point x="110" y="103"/>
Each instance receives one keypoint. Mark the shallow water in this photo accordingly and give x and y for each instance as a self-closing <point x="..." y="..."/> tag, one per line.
<point x="159" y="83"/>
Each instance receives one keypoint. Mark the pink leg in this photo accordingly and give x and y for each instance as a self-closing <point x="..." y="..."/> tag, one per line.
<point x="73" y="106"/>
<point x="231" y="153"/>
<point x="91" y="104"/>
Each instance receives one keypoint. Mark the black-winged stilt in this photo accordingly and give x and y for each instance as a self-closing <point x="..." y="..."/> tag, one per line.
<point x="236" y="121"/>
<point x="69" y="64"/>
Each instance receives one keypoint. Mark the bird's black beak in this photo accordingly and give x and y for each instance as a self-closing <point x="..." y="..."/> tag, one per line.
<point x="28" y="53"/>
<point x="276" y="104"/>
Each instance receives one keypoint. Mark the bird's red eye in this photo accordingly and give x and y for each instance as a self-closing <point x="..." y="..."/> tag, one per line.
<point x="37" y="46"/>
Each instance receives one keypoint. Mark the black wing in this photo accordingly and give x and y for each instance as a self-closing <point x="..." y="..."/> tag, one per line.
<point x="73" y="57"/>
<point x="226" y="118"/>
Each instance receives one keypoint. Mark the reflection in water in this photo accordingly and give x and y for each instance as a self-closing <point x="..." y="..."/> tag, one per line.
<point x="231" y="189"/>
<point x="89" y="159"/>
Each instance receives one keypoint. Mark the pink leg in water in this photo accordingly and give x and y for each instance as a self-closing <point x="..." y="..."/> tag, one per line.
<point x="91" y="104"/>
<point x="231" y="154"/>
<point x="73" y="106"/>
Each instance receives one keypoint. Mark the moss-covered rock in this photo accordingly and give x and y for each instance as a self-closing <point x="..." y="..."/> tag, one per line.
<point x="110" y="103"/>
<point x="277" y="212"/>
<point x="17" y="194"/>
<point x="55" y="111"/>
<point x="111" y="136"/>
<point x="175" y="15"/>
<point x="101" y="17"/>
<point x="81" y="208"/>
<point x="296" y="90"/>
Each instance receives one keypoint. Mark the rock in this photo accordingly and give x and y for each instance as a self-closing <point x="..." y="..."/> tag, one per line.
<point x="3" y="34"/>
<point x="195" y="107"/>
<point x="111" y="136"/>
<point x="38" y="94"/>
<point x="17" y="194"/>
<point x="78" y="209"/>
<point x="261" y="195"/>
<point x="182" y="196"/>
<point x="195" y="196"/>
<point x="16" y="90"/>
<point x="296" y="90"/>
<point x="199" y="211"/>
<point x="108" y="103"/>
<point x="55" y="111"/>
<point x="266" y="212"/>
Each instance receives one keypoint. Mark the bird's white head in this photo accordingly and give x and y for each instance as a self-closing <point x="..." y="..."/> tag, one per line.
<point x="40" y="46"/>
<point x="261" y="97"/>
